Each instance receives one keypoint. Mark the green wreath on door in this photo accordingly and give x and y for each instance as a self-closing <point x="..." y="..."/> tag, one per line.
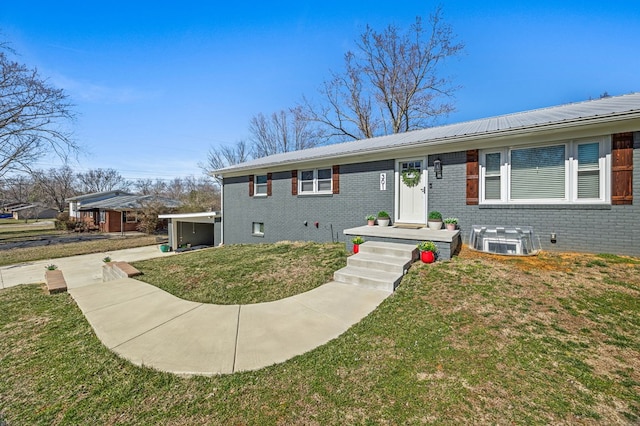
<point x="410" y="177"/>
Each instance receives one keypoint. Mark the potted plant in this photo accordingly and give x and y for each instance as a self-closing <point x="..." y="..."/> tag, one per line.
<point x="451" y="223"/>
<point x="435" y="220"/>
<point x="428" y="251"/>
<point x="383" y="218"/>
<point x="356" y="244"/>
<point x="371" y="220"/>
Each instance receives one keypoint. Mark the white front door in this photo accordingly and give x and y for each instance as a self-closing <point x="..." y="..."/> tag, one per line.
<point x="411" y="191"/>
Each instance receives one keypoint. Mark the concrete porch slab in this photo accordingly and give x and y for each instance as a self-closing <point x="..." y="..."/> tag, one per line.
<point x="421" y="234"/>
<point x="448" y="242"/>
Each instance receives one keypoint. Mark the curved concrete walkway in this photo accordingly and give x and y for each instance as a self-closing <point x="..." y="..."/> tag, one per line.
<point x="151" y="327"/>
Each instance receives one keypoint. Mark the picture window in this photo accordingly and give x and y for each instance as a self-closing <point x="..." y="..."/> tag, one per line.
<point x="566" y="172"/>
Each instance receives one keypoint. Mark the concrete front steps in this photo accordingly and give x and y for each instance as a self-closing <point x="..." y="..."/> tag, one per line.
<point x="377" y="265"/>
<point x="112" y="271"/>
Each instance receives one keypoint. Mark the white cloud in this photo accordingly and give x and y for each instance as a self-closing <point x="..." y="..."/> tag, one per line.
<point x="97" y="93"/>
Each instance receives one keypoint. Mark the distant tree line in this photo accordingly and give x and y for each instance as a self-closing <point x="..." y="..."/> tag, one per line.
<point x="54" y="186"/>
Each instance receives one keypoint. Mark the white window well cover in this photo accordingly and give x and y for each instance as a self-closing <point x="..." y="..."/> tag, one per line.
<point x="507" y="240"/>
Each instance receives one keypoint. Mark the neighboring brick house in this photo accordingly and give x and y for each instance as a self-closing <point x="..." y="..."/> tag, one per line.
<point x="567" y="170"/>
<point x="75" y="203"/>
<point x="120" y="212"/>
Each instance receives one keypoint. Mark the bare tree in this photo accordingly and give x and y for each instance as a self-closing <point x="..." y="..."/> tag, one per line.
<point x="150" y="187"/>
<point x="224" y="156"/>
<point x="148" y="220"/>
<point x="20" y="189"/>
<point x="200" y="194"/>
<point x="56" y="185"/>
<point x="101" y="180"/>
<point x="282" y="131"/>
<point x="391" y="83"/>
<point x="33" y="115"/>
<point x="195" y="195"/>
<point x="175" y="188"/>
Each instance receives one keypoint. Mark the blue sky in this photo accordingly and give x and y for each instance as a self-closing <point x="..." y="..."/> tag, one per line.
<point x="156" y="84"/>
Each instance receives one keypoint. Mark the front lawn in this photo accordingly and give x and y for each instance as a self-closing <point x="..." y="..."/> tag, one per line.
<point x="241" y="274"/>
<point x="479" y="340"/>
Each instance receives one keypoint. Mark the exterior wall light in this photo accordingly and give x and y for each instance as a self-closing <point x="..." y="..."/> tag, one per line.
<point x="437" y="168"/>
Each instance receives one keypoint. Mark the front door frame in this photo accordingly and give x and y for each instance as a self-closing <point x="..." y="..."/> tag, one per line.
<point x="424" y="183"/>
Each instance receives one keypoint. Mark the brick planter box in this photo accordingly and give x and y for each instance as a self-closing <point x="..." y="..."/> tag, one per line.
<point x="55" y="281"/>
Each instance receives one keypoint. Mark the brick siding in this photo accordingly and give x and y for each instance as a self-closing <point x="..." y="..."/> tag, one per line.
<point x="589" y="228"/>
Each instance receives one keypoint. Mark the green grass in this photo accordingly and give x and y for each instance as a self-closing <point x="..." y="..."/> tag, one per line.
<point x="241" y="274"/>
<point x="478" y="340"/>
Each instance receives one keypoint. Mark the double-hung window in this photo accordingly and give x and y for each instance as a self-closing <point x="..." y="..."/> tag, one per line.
<point x="562" y="172"/>
<point x="260" y="185"/>
<point x="492" y="176"/>
<point x="315" y="181"/>
<point x="589" y="170"/>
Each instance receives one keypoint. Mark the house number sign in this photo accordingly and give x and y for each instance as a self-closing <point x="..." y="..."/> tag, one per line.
<point x="383" y="181"/>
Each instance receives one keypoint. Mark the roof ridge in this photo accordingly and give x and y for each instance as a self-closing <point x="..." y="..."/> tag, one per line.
<point x="533" y="118"/>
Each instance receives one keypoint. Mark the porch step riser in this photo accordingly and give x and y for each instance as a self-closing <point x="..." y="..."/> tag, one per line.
<point x="349" y="278"/>
<point x="399" y="267"/>
<point x="375" y="250"/>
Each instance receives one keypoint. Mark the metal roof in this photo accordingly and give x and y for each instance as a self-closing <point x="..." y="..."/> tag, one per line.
<point x="618" y="107"/>
<point x="129" y="202"/>
<point x="101" y="195"/>
<point x="30" y="206"/>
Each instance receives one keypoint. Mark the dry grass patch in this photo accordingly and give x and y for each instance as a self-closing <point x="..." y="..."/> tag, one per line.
<point x="568" y="320"/>
<point x="21" y="255"/>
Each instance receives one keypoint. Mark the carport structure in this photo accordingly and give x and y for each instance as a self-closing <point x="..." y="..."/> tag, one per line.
<point x="193" y="229"/>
